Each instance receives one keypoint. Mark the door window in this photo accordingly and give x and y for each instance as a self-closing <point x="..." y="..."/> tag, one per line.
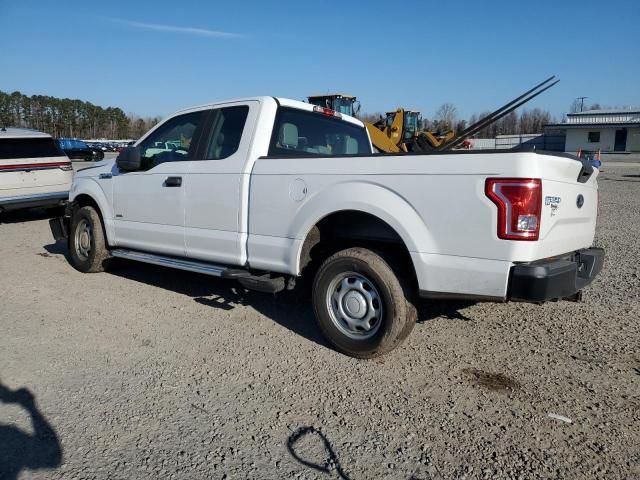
<point x="174" y="141"/>
<point x="226" y="132"/>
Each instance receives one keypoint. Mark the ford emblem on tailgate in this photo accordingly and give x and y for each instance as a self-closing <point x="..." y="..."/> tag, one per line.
<point x="580" y="201"/>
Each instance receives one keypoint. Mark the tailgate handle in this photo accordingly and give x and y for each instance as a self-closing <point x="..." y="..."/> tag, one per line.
<point x="586" y="171"/>
<point x="173" y="182"/>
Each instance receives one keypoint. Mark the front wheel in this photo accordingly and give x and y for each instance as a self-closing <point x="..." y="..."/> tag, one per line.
<point x="360" y="304"/>
<point x="87" y="245"/>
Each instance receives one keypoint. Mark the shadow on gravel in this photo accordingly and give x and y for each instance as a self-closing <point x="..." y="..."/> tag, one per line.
<point x="57" y="248"/>
<point x="306" y="435"/>
<point x="450" y="309"/>
<point x="21" y="450"/>
<point x="310" y="447"/>
<point x="30" y="215"/>
<point x="292" y="309"/>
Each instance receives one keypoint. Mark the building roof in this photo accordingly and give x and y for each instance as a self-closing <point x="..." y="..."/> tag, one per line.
<point x="607" y="111"/>
<point x="593" y="125"/>
<point x="12" y="132"/>
<point x="613" y="117"/>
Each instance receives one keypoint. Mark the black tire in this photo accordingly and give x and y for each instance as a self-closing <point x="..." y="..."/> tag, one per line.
<point x="87" y="243"/>
<point x="396" y="314"/>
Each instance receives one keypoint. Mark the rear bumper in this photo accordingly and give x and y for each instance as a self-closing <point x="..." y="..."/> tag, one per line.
<point x="555" y="278"/>
<point x="34" y="200"/>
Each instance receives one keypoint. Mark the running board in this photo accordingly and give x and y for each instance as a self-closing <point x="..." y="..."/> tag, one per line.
<point x="180" y="264"/>
<point x="262" y="283"/>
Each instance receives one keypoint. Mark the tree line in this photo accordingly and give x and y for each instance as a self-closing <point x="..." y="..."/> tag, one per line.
<point x="514" y="123"/>
<point x="66" y="117"/>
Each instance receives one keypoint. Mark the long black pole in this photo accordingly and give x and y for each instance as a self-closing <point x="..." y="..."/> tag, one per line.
<point x="499" y="110"/>
<point x="497" y="115"/>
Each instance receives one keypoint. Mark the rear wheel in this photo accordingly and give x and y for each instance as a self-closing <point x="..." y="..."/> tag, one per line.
<point x="360" y="304"/>
<point x="87" y="243"/>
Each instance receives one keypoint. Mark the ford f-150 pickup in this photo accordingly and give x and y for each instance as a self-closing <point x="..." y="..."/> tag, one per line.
<point x="265" y="190"/>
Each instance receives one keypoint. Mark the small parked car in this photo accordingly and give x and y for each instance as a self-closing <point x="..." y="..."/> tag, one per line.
<point x="34" y="171"/>
<point x="77" y="149"/>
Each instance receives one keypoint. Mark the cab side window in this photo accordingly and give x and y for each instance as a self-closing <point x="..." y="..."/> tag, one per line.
<point x="174" y="141"/>
<point x="227" y="125"/>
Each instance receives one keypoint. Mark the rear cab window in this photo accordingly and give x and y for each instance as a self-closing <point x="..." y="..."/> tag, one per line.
<point x="302" y="133"/>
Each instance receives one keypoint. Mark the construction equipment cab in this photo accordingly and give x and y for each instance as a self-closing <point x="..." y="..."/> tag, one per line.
<point x="337" y="102"/>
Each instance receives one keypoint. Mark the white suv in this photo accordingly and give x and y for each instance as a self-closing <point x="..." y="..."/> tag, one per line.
<point x="34" y="172"/>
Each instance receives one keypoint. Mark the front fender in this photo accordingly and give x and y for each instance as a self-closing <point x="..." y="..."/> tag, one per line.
<point x="89" y="186"/>
<point x="364" y="196"/>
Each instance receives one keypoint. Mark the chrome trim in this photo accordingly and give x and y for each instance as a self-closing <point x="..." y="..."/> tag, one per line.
<point x="180" y="264"/>
<point x="34" y="198"/>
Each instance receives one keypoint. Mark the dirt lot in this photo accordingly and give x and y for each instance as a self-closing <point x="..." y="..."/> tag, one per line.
<point x="150" y="373"/>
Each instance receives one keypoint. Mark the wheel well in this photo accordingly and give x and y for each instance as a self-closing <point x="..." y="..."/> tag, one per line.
<point x="353" y="228"/>
<point x="84" y="200"/>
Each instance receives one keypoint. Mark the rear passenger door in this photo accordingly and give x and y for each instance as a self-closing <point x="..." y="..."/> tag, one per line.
<point x="217" y="186"/>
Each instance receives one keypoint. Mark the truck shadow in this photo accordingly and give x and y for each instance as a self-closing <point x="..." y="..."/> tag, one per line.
<point x="290" y="309"/>
<point x="449" y="309"/>
<point x="20" y="450"/>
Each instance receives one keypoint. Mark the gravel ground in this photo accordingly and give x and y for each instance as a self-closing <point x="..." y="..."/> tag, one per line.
<point x="151" y="373"/>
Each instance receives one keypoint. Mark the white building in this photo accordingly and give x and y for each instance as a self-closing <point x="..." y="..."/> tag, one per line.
<point x="615" y="130"/>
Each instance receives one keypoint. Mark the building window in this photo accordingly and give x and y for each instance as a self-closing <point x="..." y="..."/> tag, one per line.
<point x="594" y="137"/>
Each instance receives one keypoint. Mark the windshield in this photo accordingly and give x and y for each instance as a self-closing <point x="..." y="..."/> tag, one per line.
<point x="343" y="105"/>
<point x="410" y="124"/>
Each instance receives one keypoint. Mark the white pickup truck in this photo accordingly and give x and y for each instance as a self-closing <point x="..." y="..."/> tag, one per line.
<point x="265" y="190"/>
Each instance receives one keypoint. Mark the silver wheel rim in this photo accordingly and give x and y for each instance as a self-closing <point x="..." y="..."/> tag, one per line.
<point x="83" y="239"/>
<point x="355" y="305"/>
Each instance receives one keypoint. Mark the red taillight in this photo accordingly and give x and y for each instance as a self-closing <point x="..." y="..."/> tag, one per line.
<point x="326" y="111"/>
<point x="519" y="202"/>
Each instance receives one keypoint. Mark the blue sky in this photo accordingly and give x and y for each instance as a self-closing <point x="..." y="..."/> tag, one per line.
<point x="153" y="58"/>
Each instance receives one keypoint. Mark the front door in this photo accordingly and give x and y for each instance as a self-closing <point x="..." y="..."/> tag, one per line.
<point x="148" y="204"/>
<point x="620" y="144"/>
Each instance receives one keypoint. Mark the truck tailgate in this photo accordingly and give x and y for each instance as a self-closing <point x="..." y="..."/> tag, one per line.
<point x="569" y="205"/>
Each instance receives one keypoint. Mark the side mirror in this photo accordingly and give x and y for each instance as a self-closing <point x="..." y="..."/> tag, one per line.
<point x="129" y="159"/>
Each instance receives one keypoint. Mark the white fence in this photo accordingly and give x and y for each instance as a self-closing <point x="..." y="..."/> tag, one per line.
<point x="539" y="141"/>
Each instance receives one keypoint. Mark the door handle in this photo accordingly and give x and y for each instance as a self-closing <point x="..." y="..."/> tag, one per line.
<point x="173" y="182"/>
